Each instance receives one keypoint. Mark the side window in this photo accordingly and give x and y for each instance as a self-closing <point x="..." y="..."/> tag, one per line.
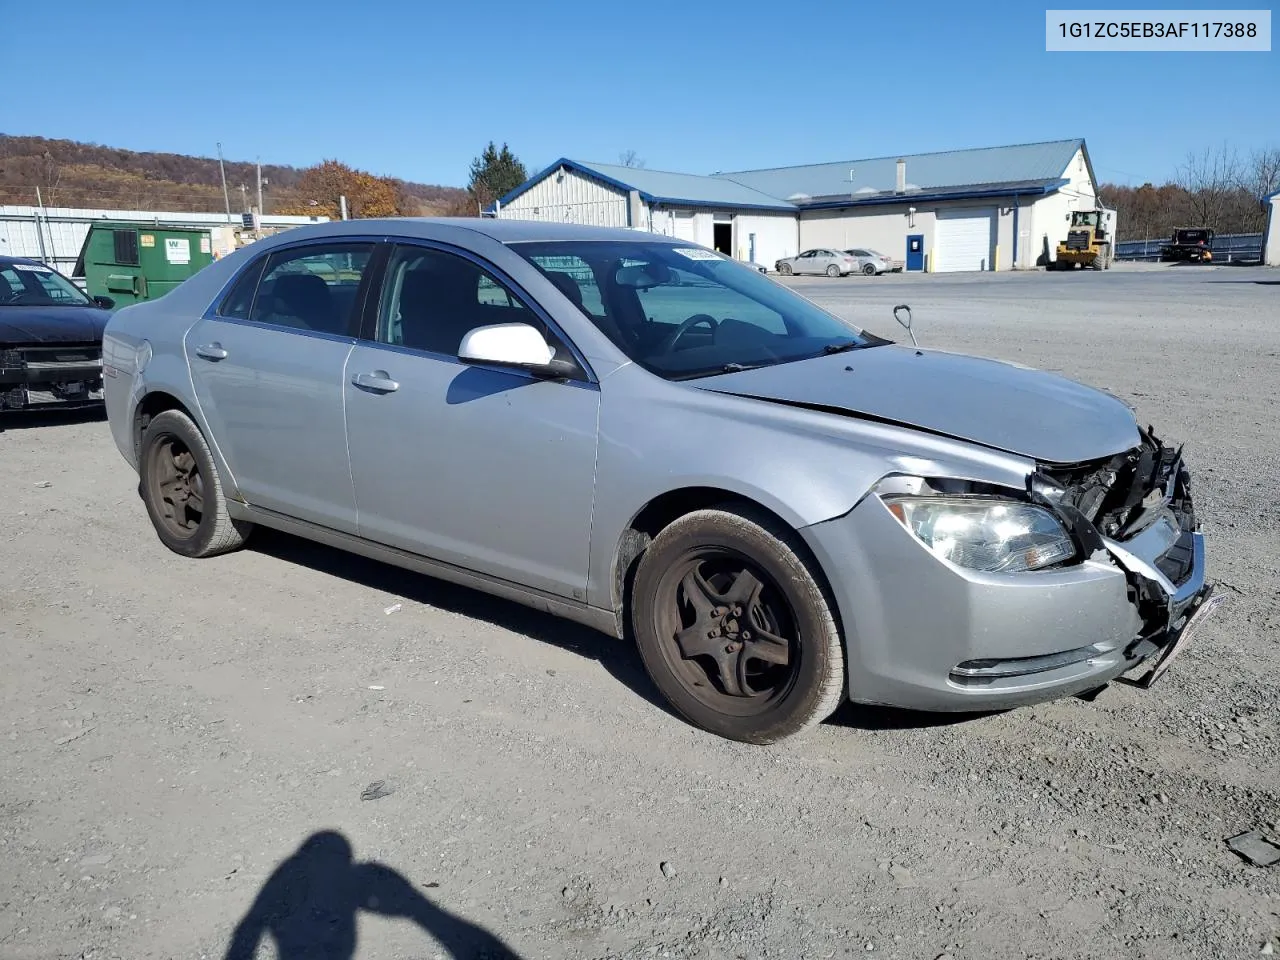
<point x="237" y="303"/>
<point x="312" y="287"/>
<point x="576" y="280"/>
<point x="11" y="285"/>
<point x="431" y="299"/>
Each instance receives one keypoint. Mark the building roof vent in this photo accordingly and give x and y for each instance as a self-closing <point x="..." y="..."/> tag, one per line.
<point x="902" y="176"/>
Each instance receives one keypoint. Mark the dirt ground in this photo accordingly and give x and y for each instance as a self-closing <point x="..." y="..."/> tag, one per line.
<point x="174" y="731"/>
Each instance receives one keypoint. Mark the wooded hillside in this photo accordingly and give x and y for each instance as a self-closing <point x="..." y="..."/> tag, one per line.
<point x="72" y="174"/>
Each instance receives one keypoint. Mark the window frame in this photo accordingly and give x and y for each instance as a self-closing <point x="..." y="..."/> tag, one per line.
<point x="355" y="322"/>
<point x="372" y="309"/>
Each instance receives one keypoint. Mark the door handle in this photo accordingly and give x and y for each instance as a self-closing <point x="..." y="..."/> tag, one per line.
<point x="211" y="351"/>
<point x="378" y="381"/>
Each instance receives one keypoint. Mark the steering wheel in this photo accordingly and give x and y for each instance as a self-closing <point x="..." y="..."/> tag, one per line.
<point x="669" y="344"/>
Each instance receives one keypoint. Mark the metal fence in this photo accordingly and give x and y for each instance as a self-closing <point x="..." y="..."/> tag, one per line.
<point x="1227" y="248"/>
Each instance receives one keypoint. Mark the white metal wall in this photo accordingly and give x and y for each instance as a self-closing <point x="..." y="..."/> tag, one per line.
<point x="1271" y="235"/>
<point x="881" y="228"/>
<point x="886" y="228"/>
<point x="777" y="236"/>
<point x="570" y="197"/>
<point x="63" y="229"/>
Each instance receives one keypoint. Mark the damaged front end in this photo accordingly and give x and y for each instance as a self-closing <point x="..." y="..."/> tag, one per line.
<point x="1136" y="508"/>
<point x="50" y="376"/>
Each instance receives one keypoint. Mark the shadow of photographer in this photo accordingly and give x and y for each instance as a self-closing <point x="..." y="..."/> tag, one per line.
<point x="310" y="903"/>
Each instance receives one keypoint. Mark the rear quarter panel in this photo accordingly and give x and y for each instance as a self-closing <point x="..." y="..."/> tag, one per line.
<point x="143" y="353"/>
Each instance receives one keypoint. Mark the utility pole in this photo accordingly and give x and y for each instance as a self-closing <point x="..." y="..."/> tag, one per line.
<point x="261" y="209"/>
<point x="226" y="197"/>
<point x="244" y="197"/>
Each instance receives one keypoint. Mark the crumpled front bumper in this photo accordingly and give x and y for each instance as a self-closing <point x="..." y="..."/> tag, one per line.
<point x="923" y="633"/>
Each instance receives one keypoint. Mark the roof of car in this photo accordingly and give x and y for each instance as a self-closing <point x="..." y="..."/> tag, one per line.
<point x="504" y="231"/>
<point x="5" y="258"/>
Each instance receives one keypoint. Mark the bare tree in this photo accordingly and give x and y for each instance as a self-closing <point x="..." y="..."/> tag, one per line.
<point x="50" y="178"/>
<point x="1211" y="178"/>
<point x="1262" y="176"/>
<point x="629" y="159"/>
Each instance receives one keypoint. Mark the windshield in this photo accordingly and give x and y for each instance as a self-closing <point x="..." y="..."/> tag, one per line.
<point x="34" y="285"/>
<point x="684" y="312"/>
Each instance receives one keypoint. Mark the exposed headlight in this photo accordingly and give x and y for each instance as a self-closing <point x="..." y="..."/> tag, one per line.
<point x="993" y="536"/>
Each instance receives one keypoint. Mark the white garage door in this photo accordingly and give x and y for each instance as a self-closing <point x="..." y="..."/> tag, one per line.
<point x="962" y="240"/>
<point x="685" y="228"/>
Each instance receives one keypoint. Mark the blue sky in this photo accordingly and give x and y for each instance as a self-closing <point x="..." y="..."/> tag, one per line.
<point x="416" y="89"/>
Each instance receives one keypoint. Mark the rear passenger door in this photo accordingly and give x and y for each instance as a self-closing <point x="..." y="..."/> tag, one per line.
<point x="267" y="365"/>
<point x="488" y="469"/>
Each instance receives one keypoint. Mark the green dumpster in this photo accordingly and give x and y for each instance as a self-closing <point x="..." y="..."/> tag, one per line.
<point x="131" y="262"/>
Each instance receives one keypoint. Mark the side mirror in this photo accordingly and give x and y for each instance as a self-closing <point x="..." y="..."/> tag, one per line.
<point x="106" y="303"/>
<point x="517" y="345"/>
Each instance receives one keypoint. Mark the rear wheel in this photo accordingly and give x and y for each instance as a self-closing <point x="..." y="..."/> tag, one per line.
<point x="833" y="271"/>
<point x="735" y="628"/>
<point x="869" y="269"/>
<point x="180" y="486"/>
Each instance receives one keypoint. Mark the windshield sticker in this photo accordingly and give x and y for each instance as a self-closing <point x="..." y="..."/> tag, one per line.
<point x="693" y="253"/>
<point x="33" y="267"/>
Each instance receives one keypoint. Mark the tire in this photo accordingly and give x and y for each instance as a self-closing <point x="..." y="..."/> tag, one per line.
<point x="833" y="271"/>
<point x="784" y="269"/>
<point x="869" y="269"/>
<point x="180" y="486"/>
<point x="709" y="680"/>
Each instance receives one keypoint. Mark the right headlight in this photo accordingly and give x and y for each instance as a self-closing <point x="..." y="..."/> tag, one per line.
<point x="989" y="535"/>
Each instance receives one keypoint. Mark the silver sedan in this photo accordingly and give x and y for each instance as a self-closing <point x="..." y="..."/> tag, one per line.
<point x="870" y="262"/>
<point x="784" y="510"/>
<point x="820" y="260"/>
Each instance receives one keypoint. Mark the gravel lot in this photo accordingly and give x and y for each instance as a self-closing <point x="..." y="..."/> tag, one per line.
<point x="175" y="730"/>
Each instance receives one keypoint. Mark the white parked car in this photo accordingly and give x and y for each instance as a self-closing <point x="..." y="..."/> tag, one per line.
<point x="833" y="263"/>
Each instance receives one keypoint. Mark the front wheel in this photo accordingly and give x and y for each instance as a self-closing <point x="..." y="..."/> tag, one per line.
<point x="784" y="269"/>
<point x="182" y="492"/>
<point x="735" y="627"/>
<point x="833" y="271"/>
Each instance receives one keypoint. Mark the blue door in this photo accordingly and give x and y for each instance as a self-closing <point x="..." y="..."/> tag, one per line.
<point x="915" y="251"/>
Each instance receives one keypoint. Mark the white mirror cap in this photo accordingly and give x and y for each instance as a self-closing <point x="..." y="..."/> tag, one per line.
<point x="506" y="343"/>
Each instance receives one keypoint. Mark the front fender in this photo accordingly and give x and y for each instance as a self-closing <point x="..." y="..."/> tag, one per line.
<point x="805" y="466"/>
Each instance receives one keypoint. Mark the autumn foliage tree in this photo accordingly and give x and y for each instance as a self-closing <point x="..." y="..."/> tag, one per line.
<point x="367" y="195"/>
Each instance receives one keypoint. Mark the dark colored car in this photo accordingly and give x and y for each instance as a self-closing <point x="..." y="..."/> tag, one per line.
<point x="1193" y="245"/>
<point x="50" y="339"/>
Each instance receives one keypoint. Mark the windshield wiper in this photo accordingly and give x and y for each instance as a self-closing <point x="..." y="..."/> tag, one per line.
<point x="840" y="347"/>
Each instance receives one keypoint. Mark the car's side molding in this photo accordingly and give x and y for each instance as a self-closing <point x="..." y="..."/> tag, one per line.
<point x="606" y="621"/>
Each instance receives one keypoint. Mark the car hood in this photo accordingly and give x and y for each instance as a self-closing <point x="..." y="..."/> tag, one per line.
<point x="30" y="325"/>
<point x="1001" y="405"/>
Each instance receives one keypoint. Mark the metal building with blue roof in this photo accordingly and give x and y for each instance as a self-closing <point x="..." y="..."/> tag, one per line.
<point x="987" y="208"/>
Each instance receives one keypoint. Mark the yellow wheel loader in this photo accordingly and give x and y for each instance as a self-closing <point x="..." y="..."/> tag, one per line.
<point x="1090" y="241"/>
